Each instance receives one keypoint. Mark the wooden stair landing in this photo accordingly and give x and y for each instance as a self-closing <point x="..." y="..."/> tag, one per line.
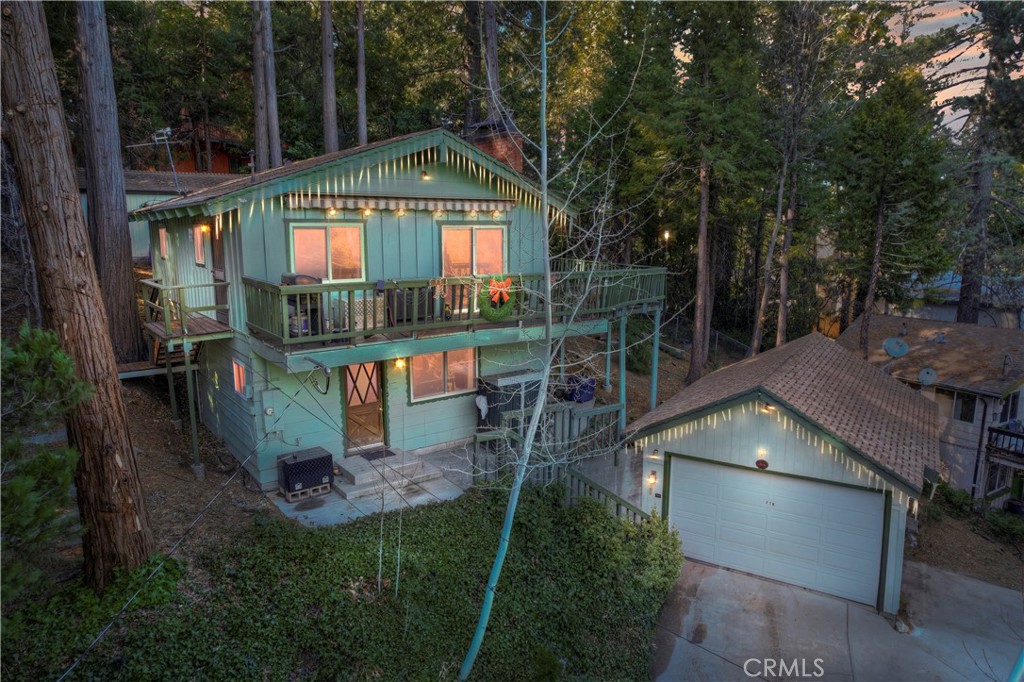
<point x="199" y="327"/>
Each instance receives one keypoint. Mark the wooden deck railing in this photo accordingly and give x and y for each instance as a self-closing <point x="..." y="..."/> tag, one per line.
<point x="293" y="314"/>
<point x="566" y="433"/>
<point x="171" y="305"/>
<point x="579" y="486"/>
<point x="1005" y="440"/>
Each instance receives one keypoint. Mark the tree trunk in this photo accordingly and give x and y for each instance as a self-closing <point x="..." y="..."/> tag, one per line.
<point x="787" y="239"/>
<point x="471" y="31"/>
<point x="330" y="93"/>
<point x="491" y="62"/>
<point x="270" y="79"/>
<point x="361" y="71"/>
<point x="259" y="93"/>
<point x="701" y="315"/>
<point x="108" y="211"/>
<point x="972" y="267"/>
<point x="766" y="285"/>
<point x="24" y="304"/>
<point x="110" y="498"/>
<point x="876" y="264"/>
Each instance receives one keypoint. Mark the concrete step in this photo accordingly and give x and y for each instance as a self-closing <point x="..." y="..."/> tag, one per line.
<point x="374" y="482"/>
<point x="357" y="470"/>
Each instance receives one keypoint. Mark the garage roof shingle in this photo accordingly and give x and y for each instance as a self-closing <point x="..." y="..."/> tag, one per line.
<point x="886" y="422"/>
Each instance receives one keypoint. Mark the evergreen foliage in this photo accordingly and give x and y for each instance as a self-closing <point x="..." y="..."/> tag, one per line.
<point x="39" y="387"/>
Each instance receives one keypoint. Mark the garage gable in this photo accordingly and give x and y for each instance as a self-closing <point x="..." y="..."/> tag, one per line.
<point x="759" y="427"/>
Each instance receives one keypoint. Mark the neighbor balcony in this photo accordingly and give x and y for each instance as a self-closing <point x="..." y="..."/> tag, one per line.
<point x="291" y="317"/>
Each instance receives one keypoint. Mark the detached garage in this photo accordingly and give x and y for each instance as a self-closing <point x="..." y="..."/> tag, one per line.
<point x="800" y="465"/>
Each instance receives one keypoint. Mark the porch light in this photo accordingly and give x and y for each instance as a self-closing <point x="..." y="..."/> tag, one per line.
<point x="367" y="212"/>
<point x="204" y="228"/>
<point x="666" y="235"/>
<point x="652" y="480"/>
<point x="424" y="175"/>
<point x="400" y="363"/>
<point x="332" y="211"/>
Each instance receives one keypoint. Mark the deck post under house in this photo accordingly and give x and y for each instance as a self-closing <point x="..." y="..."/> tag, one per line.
<point x="334" y="304"/>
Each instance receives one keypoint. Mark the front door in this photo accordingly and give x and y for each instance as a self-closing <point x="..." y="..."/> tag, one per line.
<point x="220" y="292"/>
<point x="363" y="405"/>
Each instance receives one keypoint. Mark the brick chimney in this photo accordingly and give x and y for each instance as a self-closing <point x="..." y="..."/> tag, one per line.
<point x="501" y="140"/>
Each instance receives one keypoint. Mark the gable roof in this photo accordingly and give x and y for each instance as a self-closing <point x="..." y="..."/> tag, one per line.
<point x="276" y="181"/>
<point x="883" y="420"/>
<point x="984" y="360"/>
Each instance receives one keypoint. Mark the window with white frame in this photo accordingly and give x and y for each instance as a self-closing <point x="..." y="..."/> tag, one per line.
<point x="1009" y="409"/>
<point x="239" y="372"/>
<point x="956" y="405"/>
<point x="441" y="374"/>
<point x="332" y="252"/>
<point x="472" y="250"/>
<point x="199" y="243"/>
<point x="163" y="242"/>
<point x="999" y="477"/>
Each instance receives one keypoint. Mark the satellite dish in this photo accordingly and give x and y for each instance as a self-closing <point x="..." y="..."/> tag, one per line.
<point x="927" y="376"/>
<point x="895" y="347"/>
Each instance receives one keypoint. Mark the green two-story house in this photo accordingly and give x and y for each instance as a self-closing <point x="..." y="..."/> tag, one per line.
<point x="338" y="300"/>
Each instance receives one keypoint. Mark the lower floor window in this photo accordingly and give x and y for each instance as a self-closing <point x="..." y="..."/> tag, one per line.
<point x="440" y="374"/>
<point x="998" y="478"/>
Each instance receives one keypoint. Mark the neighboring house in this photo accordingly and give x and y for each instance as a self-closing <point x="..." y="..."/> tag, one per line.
<point x="800" y="464"/>
<point x="976" y="379"/>
<point x="150" y="187"/>
<point x="337" y="299"/>
<point x="1001" y="304"/>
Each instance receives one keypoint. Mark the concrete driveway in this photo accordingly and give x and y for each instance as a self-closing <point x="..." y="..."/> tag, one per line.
<point x="720" y="625"/>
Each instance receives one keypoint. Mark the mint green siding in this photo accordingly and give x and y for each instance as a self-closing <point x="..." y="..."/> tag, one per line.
<point x="452" y="419"/>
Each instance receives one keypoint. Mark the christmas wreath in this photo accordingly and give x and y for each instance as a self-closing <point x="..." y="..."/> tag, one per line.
<point x="497" y="300"/>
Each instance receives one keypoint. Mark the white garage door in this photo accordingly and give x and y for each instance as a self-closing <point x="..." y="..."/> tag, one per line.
<point x="816" y="535"/>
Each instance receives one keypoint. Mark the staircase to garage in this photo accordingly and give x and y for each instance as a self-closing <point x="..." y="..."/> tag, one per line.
<point x="362" y="478"/>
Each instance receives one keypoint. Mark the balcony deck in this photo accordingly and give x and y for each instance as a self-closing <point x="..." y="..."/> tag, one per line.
<point x="298" y="318"/>
<point x="1006" y="442"/>
<point x="176" y="314"/>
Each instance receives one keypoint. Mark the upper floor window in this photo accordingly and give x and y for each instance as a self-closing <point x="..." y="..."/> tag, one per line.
<point x="163" y="242"/>
<point x="330" y="252"/>
<point x="199" y="243"/>
<point x="469" y="251"/>
<point x="956" y="405"/>
<point x="1009" y="411"/>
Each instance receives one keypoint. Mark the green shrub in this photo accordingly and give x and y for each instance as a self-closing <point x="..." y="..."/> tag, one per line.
<point x="39" y="388"/>
<point x="1005" y="526"/>
<point x="957" y="502"/>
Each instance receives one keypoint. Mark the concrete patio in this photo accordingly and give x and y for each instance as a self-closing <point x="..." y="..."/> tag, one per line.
<point x="621" y="477"/>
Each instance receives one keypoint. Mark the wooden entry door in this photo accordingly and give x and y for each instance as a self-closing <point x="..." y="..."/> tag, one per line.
<point x="364" y="406"/>
<point x="220" y="293"/>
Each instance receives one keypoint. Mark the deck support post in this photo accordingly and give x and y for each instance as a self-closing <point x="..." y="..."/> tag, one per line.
<point x="175" y="415"/>
<point x="622" y="372"/>
<point x="608" y="360"/>
<point x="654" y="358"/>
<point x="197" y="466"/>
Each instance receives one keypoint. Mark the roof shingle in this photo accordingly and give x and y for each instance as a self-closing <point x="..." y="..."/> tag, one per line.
<point x="885" y="421"/>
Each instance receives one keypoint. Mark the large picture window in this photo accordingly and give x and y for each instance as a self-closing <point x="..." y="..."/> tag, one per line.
<point x="467" y="251"/>
<point x="330" y="252"/>
<point x="440" y="374"/>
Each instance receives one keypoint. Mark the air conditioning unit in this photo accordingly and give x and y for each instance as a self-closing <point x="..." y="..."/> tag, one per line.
<point x="305" y="473"/>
